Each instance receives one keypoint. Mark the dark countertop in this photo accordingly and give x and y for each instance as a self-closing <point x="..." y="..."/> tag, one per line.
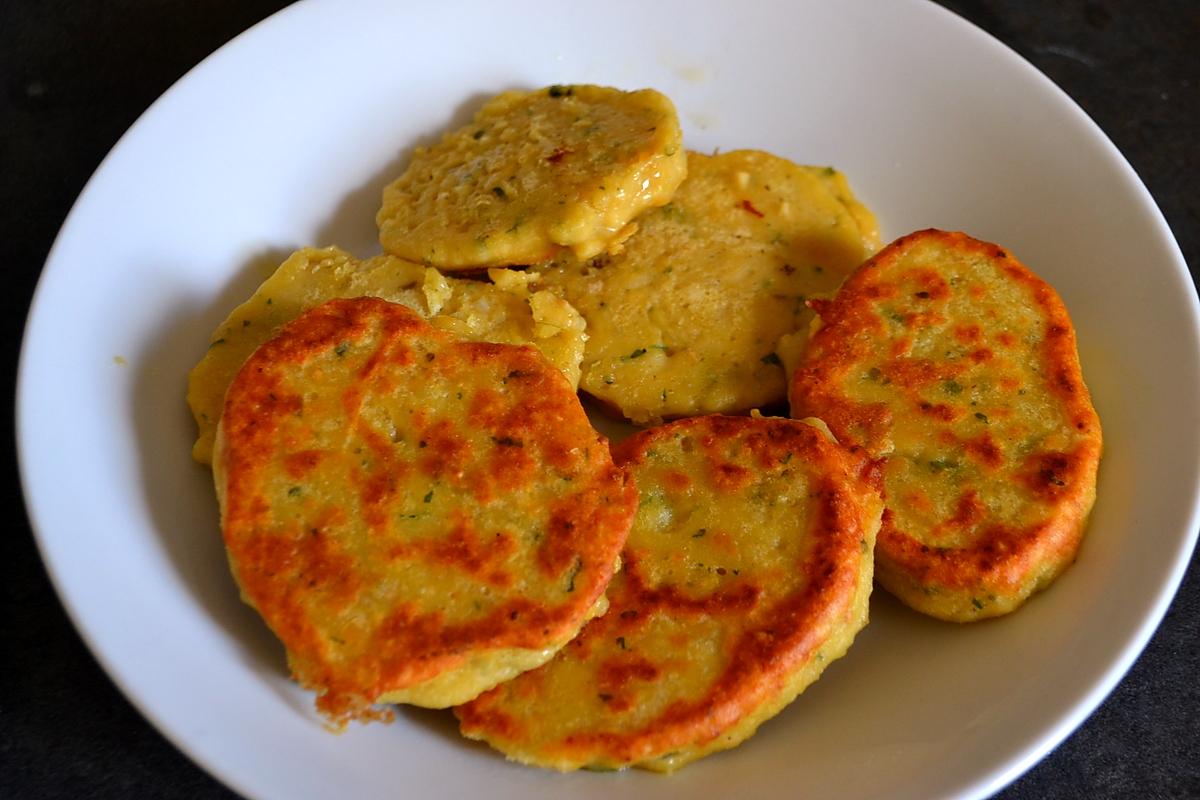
<point x="76" y="75"/>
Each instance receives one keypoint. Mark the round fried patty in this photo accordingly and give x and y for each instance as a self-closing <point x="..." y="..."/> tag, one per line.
<point x="415" y="516"/>
<point x="505" y="311"/>
<point x="534" y="172"/>
<point x="686" y="318"/>
<point x="947" y="357"/>
<point x="747" y="572"/>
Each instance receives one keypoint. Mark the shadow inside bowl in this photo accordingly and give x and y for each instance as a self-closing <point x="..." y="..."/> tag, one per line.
<point x="178" y="492"/>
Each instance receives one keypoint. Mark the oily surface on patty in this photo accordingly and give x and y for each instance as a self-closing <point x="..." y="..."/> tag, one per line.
<point x="747" y="572"/>
<point x="505" y="312"/>
<point x="954" y="362"/>
<point x="533" y="173"/>
<point x="685" y="319"/>
<point x="415" y="516"/>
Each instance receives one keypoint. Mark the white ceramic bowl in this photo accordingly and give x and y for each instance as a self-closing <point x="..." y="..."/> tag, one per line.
<point x="284" y="138"/>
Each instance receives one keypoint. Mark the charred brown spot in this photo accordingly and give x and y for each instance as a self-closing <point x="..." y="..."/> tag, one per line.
<point x="937" y="410"/>
<point x="1049" y="475"/>
<point x="299" y="464"/>
<point x="983" y="448"/>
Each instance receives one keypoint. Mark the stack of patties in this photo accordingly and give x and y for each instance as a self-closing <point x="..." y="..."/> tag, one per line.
<point x="415" y="501"/>
<point x="420" y="516"/>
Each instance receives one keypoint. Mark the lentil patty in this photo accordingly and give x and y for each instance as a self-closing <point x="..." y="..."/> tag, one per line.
<point x="952" y="361"/>
<point x="417" y="517"/>
<point x="747" y="572"/>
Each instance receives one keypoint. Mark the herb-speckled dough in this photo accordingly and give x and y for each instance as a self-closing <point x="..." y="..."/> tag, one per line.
<point x="685" y="319"/>
<point x="952" y="361"/>
<point x="747" y="572"/>
<point x="505" y="311"/>
<point x="417" y="517"/>
<point x="533" y="173"/>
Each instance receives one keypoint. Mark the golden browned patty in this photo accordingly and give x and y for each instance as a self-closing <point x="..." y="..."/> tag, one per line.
<point x="533" y="173"/>
<point x="955" y="363"/>
<point x="747" y="572"/>
<point x="415" y="516"/>
<point x="505" y="311"/>
<point x="686" y="318"/>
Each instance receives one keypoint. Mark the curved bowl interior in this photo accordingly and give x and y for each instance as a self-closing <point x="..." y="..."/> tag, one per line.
<point x="285" y="137"/>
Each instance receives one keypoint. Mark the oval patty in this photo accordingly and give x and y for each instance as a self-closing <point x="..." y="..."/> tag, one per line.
<point x="533" y="173"/>
<point x="747" y="572"/>
<point x="957" y="365"/>
<point x="506" y="312"/>
<point x="686" y="318"/>
<point x="415" y="516"/>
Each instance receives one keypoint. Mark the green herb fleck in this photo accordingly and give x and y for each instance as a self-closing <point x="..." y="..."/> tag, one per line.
<point x="560" y="91"/>
<point x="786" y="457"/>
<point x="477" y="135"/>
<point x="294" y="491"/>
<point x="771" y="358"/>
<point x="341" y="349"/>
<point x="429" y="496"/>
<point x="952" y="387"/>
<point x="874" y="373"/>
<point x="621" y="643"/>
<point x="641" y="351"/>
<point x="700" y="533"/>
<point x="217" y="342"/>
<point x="499" y="192"/>
<point x="979" y="415"/>
<point x="975" y="602"/>
<point x="830" y="171"/>
<point x="939" y="464"/>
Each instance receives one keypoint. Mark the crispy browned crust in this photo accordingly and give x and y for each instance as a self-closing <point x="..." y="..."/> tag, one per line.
<point x="773" y="632"/>
<point x="313" y="487"/>
<point x="1003" y="550"/>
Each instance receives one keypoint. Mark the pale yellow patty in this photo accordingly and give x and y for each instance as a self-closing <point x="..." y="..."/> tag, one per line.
<point x="535" y="172"/>
<point x="505" y="312"/>
<point x="746" y="573"/>
<point x="686" y="318"/>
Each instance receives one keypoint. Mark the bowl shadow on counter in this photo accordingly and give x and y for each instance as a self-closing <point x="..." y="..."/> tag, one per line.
<point x="178" y="491"/>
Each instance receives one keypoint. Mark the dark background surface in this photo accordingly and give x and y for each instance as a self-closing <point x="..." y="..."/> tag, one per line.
<point x="76" y="75"/>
